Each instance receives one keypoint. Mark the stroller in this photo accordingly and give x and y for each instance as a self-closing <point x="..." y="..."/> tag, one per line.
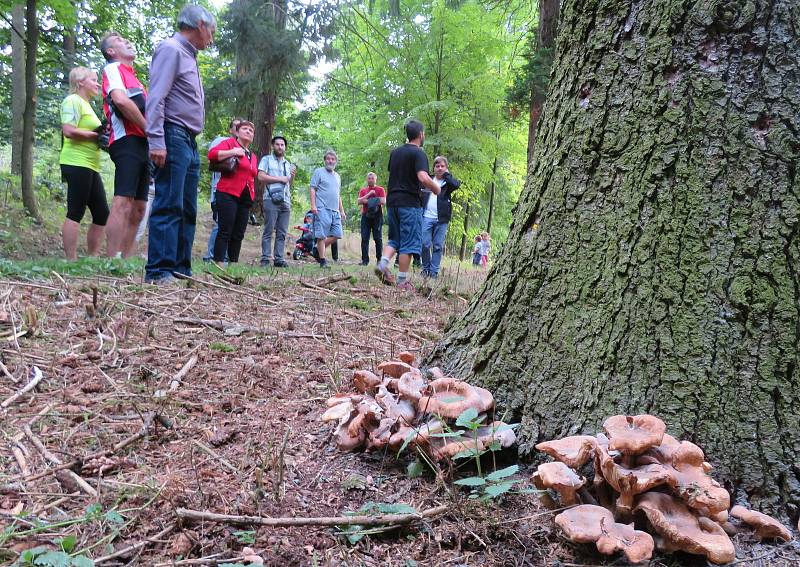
<point x="306" y="244"/>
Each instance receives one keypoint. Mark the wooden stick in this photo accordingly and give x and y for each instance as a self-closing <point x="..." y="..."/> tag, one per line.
<point x="332" y="279"/>
<point x="37" y="377"/>
<point x="27" y="284"/>
<point x="220" y="325"/>
<point x="228" y="288"/>
<point x="104" y="453"/>
<point x="7" y="373"/>
<point x="214" y="454"/>
<point x="382" y="520"/>
<point x="53" y="459"/>
<point x="136" y="546"/>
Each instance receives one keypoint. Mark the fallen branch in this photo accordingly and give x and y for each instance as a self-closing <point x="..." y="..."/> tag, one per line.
<point x="332" y="279"/>
<point x="136" y="546"/>
<point x="53" y="459"/>
<point x="220" y="325"/>
<point x="37" y="377"/>
<point x="382" y="520"/>
<point x="104" y="453"/>
<point x="234" y="289"/>
<point x="215" y="455"/>
<point x="7" y="373"/>
<point x="175" y="383"/>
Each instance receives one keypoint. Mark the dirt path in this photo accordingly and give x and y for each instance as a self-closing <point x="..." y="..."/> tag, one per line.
<point x="216" y="393"/>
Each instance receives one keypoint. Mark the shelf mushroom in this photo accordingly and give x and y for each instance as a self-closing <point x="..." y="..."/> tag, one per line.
<point x="680" y="530"/>
<point x="764" y="526"/>
<point x="594" y="524"/>
<point x="574" y="451"/>
<point x="633" y="435"/>
<point x="560" y="478"/>
<point x="449" y="398"/>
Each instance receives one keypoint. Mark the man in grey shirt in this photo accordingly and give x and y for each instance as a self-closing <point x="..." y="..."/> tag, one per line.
<point x="277" y="175"/>
<point x="326" y="205"/>
<point x="175" y="116"/>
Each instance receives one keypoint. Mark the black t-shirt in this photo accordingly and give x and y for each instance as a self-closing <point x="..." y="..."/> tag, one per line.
<point x="404" y="187"/>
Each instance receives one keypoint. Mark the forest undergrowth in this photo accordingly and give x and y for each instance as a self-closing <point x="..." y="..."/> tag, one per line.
<point x="207" y="396"/>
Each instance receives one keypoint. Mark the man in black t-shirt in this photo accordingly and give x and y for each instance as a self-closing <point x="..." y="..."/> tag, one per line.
<point x="408" y="173"/>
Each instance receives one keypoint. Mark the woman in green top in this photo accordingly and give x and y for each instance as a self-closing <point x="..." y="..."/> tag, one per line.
<point x="80" y="164"/>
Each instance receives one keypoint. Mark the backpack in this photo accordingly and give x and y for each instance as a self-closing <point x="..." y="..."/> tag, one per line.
<point x="373" y="208"/>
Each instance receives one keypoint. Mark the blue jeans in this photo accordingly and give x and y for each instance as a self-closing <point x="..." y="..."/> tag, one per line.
<point x="174" y="214"/>
<point x="405" y="228"/>
<point x="433" y="235"/>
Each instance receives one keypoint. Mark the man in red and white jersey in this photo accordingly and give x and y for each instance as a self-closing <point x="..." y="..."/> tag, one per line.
<point x="124" y="104"/>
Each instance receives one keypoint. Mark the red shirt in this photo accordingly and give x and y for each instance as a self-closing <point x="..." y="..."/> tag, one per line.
<point x="117" y="75"/>
<point x="379" y="192"/>
<point x="235" y="183"/>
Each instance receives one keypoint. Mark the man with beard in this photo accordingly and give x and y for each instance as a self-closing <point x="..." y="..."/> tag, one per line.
<point x="277" y="174"/>
<point x="326" y="205"/>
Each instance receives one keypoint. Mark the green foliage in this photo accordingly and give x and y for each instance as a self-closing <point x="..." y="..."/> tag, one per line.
<point x="247" y="537"/>
<point x="222" y="347"/>
<point x="354" y="533"/>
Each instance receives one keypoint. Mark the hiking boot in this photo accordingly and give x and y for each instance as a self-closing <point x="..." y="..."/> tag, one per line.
<point x="384" y="274"/>
<point x="324" y="264"/>
<point x="254" y="220"/>
<point x="405" y="286"/>
<point x="280" y="264"/>
<point x="166" y="281"/>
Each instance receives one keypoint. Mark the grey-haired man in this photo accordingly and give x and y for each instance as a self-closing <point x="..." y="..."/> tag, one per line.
<point x="175" y="116"/>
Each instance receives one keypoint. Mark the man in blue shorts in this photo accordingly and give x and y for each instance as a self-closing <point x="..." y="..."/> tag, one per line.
<point x="408" y="174"/>
<point x="326" y="205"/>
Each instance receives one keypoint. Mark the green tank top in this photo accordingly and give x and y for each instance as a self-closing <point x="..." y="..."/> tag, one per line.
<point x="84" y="153"/>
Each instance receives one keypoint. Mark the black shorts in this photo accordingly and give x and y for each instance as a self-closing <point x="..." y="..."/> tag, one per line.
<point x="132" y="175"/>
<point x="85" y="189"/>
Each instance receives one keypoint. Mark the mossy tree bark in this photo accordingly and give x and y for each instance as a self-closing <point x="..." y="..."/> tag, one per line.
<point x="653" y="263"/>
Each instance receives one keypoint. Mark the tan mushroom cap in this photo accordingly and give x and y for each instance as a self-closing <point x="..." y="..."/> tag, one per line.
<point x="560" y="478"/>
<point x="449" y="398"/>
<point x="764" y="526"/>
<point x="403" y="410"/>
<point x="447" y="448"/>
<point x="634" y="434"/>
<point x="436" y="372"/>
<point x="407" y="357"/>
<point x="411" y="385"/>
<point x="422" y="435"/>
<point x="636" y="545"/>
<point x="582" y="523"/>
<point x="628" y="481"/>
<point x="682" y="530"/>
<point x="365" y="381"/>
<point x="395" y="368"/>
<point x="689" y="478"/>
<point x="574" y="451"/>
<point x="339" y="411"/>
<point x="341" y="398"/>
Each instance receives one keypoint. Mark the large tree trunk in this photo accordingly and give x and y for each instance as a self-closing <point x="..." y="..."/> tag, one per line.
<point x="68" y="56"/>
<point x="545" y="41"/>
<point x="654" y="261"/>
<point x="17" y="85"/>
<point x="29" y="114"/>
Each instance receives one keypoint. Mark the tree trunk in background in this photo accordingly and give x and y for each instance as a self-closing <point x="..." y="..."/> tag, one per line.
<point x="545" y="39"/>
<point x="653" y="265"/>
<point x="68" y="56"/>
<point x="29" y="114"/>
<point x="17" y="86"/>
<point x="463" y="250"/>
<point x="264" y="119"/>
<point x="491" y="196"/>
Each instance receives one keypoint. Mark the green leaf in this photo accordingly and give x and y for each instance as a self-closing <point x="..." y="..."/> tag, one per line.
<point x="466" y="454"/>
<point x="246" y="536"/>
<point x="82" y="561"/>
<point x="496" y="490"/>
<point x="451" y="399"/>
<point x="113" y="517"/>
<point x="415" y="469"/>
<point x="67" y="543"/>
<point x="446" y="434"/>
<point x="471" y="481"/>
<point x="53" y="559"/>
<point x="468" y="419"/>
<point x="93" y="510"/>
<point x="503" y="473"/>
<point x="411" y="435"/>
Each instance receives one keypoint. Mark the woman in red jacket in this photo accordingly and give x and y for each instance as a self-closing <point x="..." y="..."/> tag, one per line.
<point x="235" y="192"/>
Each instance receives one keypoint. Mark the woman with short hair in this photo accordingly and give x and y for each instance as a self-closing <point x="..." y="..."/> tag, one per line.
<point x="235" y="191"/>
<point x="80" y="164"/>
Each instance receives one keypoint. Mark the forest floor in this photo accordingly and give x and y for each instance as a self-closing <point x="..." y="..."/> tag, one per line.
<point x="207" y="396"/>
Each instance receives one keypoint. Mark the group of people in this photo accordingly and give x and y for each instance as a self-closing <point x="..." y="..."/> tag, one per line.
<point x="151" y="138"/>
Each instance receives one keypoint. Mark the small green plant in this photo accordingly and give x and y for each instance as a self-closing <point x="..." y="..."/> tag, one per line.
<point x="247" y="537"/>
<point x="221" y="347"/>
<point x="354" y="533"/>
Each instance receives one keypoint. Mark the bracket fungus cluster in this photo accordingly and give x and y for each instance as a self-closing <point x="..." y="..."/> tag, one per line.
<point x="654" y="492"/>
<point x="406" y="406"/>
